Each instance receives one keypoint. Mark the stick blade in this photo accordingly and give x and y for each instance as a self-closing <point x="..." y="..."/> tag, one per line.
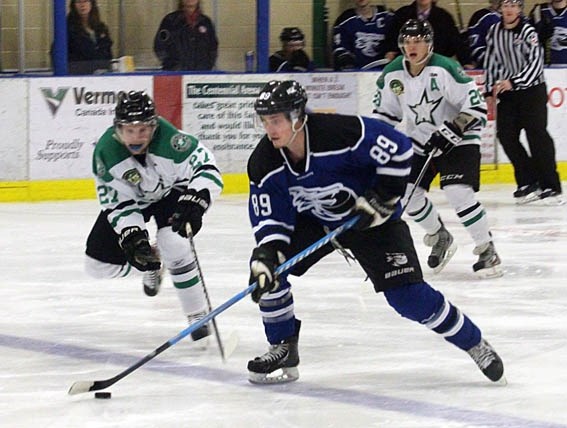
<point x="80" y="387"/>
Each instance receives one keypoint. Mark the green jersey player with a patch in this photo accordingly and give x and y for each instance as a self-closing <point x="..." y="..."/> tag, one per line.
<point x="145" y="167"/>
<point x="443" y="112"/>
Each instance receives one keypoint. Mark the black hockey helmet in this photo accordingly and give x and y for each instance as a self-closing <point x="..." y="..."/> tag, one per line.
<point x="134" y="107"/>
<point x="281" y="97"/>
<point x="291" y="34"/>
<point x="419" y="29"/>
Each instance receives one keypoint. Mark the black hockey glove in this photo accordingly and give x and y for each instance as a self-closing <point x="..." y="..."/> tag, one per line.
<point x="444" y="139"/>
<point x="373" y="210"/>
<point x="263" y="263"/>
<point x="134" y="242"/>
<point x="189" y="211"/>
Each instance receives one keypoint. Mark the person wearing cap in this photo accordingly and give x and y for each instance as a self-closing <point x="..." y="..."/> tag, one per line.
<point x="292" y="56"/>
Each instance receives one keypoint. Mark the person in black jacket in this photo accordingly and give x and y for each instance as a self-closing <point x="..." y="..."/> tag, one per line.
<point x="447" y="39"/>
<point x="292" y="56"/>
<point x="186" y="39"/>
<point x="89" y="42"/>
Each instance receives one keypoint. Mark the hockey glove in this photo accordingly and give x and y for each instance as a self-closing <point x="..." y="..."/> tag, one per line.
<point x="373" y="210"/>
<point x="444" y="139"/>
<point x="134" y="242"/>
<point x="263" y="263"/>
<point x="189" y="211"/>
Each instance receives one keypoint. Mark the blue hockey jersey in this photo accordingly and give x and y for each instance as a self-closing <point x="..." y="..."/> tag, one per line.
<point x="551" y="26"/>
<point x="360" y="39"/>
<point x="479" y="24"/>
<point x="345" y="156"/>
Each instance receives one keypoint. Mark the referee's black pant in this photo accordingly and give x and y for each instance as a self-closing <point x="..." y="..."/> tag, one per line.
<point x="527" y="109"/>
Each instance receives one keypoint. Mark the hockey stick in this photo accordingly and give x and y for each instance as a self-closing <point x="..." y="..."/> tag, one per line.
<point x="377" y="63"/>
<point x="419" y="178"/>
<point x="86" y="386"/>
<point x="460" y="15"/>
<point x="209" y="306"/>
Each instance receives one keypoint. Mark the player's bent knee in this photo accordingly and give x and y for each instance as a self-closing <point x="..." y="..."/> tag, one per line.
<point x="101" y="270"/>
<point x="417" y="302"/>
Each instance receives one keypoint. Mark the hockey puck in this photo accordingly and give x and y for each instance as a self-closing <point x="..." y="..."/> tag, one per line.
<point x="103" y="395"/>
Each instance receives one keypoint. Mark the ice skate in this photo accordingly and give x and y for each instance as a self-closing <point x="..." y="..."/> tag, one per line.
<point x="278" y="365"/>
<point x="526" y="194"/>
<point x="488" y="264"/>
<point x="444" y="247"/>
<point x="488" y="361"/>
<point x="551" y="197"/>
<point x="151" y="280"/>
<point x="202" y="333"/>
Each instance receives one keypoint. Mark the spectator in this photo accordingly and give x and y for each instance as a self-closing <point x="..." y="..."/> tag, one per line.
<point x="359" y="37"/>
<point x="186" y="39"/>
<point x="448" y="40"/>
<point x="479" y="24"/>
<point x="292" y="57"/>
<point x="514" y="73"/>
<point x="89" y="42"/>
<point x="444" y="113"/>
<point x="550" y="22"/>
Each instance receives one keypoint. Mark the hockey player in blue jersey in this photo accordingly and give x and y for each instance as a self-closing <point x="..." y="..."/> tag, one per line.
<point x="550" y="21"/>
<point x="312" y="172"/>
<point x="359" y="36"/>
<point x="478" y="27"/>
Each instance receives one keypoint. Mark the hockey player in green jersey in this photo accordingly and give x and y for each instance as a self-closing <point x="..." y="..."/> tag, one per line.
<point x="145" y="167"/>
<point x="443" y="112"/>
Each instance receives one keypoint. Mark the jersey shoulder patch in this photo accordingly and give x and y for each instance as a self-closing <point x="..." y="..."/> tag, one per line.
<point x="170" y="143"/>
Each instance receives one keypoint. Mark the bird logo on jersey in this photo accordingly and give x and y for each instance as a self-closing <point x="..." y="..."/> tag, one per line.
<point x="367" y="43"/>
<point x="331" y="203"/>
<point x="425" y="108"/>
<point x="559" y="39"/>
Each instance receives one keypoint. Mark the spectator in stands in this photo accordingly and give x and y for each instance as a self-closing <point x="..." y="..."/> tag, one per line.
<point x="447" y="39"/>
<point x="292" y="57"/>
<point x="88" y="38"/>
<point x="359" y="37"/>
<point x="186" y="39"/>
<point x="478" y="27"/>
<point x="550" y="22"/>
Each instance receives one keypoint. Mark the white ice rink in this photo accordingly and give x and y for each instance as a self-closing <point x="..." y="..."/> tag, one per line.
<point x="361" y="364"/>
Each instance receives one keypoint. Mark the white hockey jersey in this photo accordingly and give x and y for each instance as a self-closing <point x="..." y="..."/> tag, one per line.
<point x="438" y="94"/>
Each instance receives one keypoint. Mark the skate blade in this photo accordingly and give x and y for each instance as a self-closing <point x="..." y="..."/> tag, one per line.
<point x="532" y="197"/>
<point x="284" y="375"/>
<point x="493" y="272"/>
<point x="448" y="256"/>
<point x="502" y="381"/>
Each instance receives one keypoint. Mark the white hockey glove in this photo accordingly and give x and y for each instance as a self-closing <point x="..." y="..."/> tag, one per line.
<point x="373" y="210"/>
<point x="263" y="263"/>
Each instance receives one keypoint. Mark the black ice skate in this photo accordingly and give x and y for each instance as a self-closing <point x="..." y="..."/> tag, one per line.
<point x="444" y="247"/>
<point x="488" y="264"/>
<point x="551" y="197"/>
<point x="488" y="361"/>
<point x="202" y="332"/>
<point x="151" y="280"/>
<point x="278" y="365"/>
<point x="526" y="194"/>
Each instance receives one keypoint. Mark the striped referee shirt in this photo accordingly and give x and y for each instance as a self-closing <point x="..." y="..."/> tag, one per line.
<point x="514" y="55"/>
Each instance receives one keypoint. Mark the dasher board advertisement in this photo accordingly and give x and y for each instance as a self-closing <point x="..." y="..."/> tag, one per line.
<point x="68" y="116"/>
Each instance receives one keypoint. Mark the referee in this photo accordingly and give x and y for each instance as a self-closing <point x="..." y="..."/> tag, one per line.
<point x="514" y="73"/>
